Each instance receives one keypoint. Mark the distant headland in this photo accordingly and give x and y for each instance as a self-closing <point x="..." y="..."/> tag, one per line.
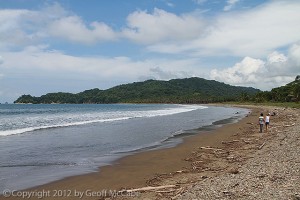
<point x="183" y="91"/>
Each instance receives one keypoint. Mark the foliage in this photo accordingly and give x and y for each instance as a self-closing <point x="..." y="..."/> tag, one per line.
<point x="189" y="90"/>
<point x="288" y="93"/>
<point x="275" y="104"/>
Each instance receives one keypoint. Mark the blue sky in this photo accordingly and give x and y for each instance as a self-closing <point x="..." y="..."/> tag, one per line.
<point x="74" y="45"/>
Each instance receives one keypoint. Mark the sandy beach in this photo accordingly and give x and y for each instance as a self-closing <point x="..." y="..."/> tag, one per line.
<point x="218" y="158"/>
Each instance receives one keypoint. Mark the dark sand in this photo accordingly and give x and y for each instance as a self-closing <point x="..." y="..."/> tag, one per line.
<point x="135" y="170"/>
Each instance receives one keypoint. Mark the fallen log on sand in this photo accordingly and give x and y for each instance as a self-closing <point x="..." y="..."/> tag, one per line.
<point x="261" y="146"/>
<point x="150" y="188"/>
<point x="211" y="148"/>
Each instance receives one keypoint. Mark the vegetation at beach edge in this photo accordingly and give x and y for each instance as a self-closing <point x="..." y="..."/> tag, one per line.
<point x="275" y="104"/>
<point x="284" y="96"/>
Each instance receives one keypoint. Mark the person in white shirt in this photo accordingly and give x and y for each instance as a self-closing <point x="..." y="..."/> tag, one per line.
<point x="267" y="121"/>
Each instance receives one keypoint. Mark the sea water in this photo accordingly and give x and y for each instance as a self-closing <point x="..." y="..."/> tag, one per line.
<point x="43" y="143"/>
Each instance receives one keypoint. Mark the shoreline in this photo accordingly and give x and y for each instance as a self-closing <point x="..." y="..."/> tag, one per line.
<point x="248" y="165"/>
<point x="137" y="170"/>
<point x="231" y="162"/>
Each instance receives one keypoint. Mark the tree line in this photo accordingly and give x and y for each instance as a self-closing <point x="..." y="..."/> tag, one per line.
<point x="287" y="93"/>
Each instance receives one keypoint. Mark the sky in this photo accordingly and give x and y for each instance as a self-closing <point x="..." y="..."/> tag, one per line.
<point x="75" y="45"/>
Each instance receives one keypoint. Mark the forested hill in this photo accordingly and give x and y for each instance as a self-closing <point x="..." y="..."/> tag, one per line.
<point x="287" y="93"/>
<point x="189" y="90"/>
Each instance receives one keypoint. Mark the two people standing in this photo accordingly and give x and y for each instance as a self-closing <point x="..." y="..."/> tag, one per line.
<point x="262" y="121"/>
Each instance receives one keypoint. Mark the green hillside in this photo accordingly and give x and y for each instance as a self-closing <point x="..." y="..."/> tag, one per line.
<point x="189" y="90"/>
<point x="288" y="93"/>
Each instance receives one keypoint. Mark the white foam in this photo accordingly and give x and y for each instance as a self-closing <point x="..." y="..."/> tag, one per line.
<point x="67" y="120"/>
<point x="24" y="130"/>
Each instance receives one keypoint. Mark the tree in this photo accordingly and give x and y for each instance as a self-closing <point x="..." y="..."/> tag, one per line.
<point x="296" y="92"/>
<point x="244" y="97"/>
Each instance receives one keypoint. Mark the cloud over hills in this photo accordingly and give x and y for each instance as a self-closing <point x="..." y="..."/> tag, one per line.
<point x="161" y="26"/>
<point x="271" y="72"/>
<point x="256" y="46"/>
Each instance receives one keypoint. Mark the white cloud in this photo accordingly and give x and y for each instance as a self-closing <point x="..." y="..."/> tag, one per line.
<point x="30" y="27"/>
<point x="21" y="27"/>
<point x="277" y="70"/>
<point x="253" y="32"/>
<point x="294" y="53"/>
<point x="256" y="32"/>
<point x="40" y="61"/>
<point x="230" y="4"/>
<point x="243" y="72"/>
<point x="199" y="2"/>
<point x="160" y="74"/>
<point x="13" y="21"/>
<point x="73" y="28"/>
<point x="170" y="4"/>
<point x="146" y="28"/>
<point x="276" y="57"/>
<point x="1" y="60"/>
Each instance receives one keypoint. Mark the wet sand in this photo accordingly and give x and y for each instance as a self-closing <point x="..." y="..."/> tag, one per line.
<point x="137" y="170"/>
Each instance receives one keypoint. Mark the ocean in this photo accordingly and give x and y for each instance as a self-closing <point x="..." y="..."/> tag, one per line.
<point x="44" y="143"/>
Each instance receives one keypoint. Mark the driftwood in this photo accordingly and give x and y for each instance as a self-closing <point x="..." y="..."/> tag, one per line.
<point x="210" y="148"/>
<point x="247" y="141"/>
<point x="197" y="162"/>
<point x="165" y="191"/>
<point x="178" y="193"/>
<point x="229" y="142"/>
<point x="149" y="188"/>
<point x="289" y="125"/>
<point x="261" y="146"/>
